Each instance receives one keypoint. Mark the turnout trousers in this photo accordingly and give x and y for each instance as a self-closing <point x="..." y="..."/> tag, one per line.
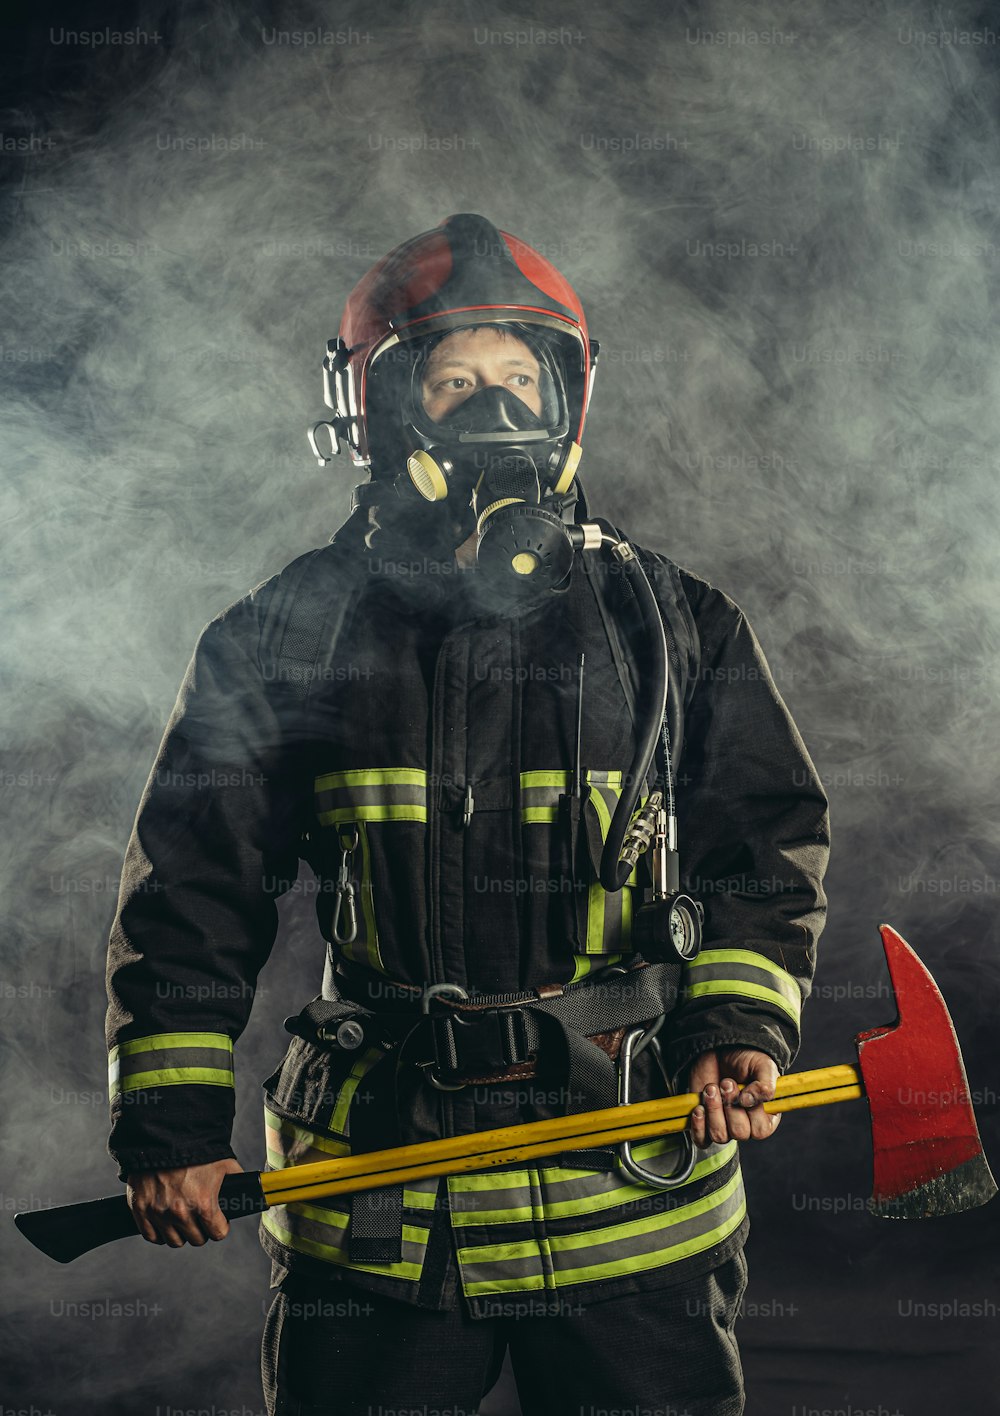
<point x="336" y="1350"/>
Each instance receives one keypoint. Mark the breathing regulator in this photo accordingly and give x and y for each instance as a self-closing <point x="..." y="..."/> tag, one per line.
<point x="461" y="379"/>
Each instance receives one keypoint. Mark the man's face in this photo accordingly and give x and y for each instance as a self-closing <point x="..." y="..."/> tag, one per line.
<point x="471" y="359"/>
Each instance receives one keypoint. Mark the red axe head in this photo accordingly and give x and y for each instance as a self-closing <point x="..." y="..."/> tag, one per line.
<point x="928" y="1156"/>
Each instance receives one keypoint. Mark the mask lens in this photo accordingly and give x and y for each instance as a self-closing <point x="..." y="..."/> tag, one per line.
<point x="449" y="372"/>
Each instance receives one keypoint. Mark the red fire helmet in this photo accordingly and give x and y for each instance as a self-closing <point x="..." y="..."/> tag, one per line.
<point x="464" y="273"/>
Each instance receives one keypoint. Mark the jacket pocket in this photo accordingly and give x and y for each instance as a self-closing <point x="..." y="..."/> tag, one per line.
<point x="387" y="807"/>
<point x="308" y="1099"/>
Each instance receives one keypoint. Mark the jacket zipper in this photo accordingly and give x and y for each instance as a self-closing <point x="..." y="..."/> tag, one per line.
<point x="434" y="822"/>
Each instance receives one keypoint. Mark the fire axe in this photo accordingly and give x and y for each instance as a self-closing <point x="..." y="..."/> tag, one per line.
<point x="928" y="1157"/>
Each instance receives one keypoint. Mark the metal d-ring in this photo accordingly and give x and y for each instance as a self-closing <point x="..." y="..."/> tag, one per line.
<point x="626" y="1160"/>
<point x="425" y="1007"/>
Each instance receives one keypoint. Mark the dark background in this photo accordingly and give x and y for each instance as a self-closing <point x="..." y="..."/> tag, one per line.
<point x="782" y="219"/>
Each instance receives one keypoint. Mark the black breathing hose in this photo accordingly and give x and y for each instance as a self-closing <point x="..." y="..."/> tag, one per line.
<point x="614" y="871"/>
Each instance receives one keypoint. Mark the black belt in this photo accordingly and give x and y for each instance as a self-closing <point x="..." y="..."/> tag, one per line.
<point x="456" y="1041"/>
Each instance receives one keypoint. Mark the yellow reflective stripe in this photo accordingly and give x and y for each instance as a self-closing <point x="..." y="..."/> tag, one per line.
<point x="497" y="1253"/>
<point x="742" y="990"/>
<point x="383" y="811"/>
<point x="329" y="1253"/>
<point x="540" y="791"/>
<point x="373" y="777"/>
<point x="638" y="1262"/>
<point x="594" y="943"/>
<point x="338" y="1117"/>
<point x="742" y="956"/>
<point x="565" y="1242"/>
<point x="488" y="1180"/>
<point x="195" y="1057"/>
<point x="554" y="1277"/>
<point x="507" y="1285"/>
<point x="623" y="1194"/>
<point x="609" y="914"/>
<point x="300" y="1137"/>
<point x="586" y="963"/>
<point x="291" y="1143"/>
<point x="720" y="971"/>
<point x="419" y="1199"/>
<point x="633" y="1190"/>
<point x="615" y="1268"/>
<point x="157" y="1041"/>
<point x="414" y="1233"/>
<point x="542" y="778"/>
<point x="171" y="1076"/>
<point x="625" y="895"/>
<point x="603" y="812"/>
<point x="371" y="794"/>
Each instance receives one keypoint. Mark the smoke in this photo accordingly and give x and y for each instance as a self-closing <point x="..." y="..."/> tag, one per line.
<point x="781" y="220"/>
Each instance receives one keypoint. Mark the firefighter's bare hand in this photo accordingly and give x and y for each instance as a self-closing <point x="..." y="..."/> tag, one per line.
<point x="733" y="1084"/>
<point x="179" y="1207"/>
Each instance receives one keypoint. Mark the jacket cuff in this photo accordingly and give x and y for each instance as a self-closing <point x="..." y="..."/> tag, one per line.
<point x="160" y="1128"/>
<point x="693" y="1032"/>
<point x="131" y="1162"/>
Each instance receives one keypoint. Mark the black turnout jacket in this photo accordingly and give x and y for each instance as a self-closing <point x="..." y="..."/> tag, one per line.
<point x="384" y="706"/>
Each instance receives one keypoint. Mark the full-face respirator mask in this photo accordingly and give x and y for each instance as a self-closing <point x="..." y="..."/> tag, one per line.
<point x="484" y="410"/>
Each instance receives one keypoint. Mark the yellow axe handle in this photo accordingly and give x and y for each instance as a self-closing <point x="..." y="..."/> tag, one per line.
<point x="484" y="1150"/>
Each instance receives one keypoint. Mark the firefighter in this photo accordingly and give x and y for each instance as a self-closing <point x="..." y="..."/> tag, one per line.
<point x="564" y="839"/>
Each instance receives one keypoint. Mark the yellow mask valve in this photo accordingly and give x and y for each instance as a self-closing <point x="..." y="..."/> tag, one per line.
<point x="427" y="476"/>
<point x="569" y="469"/>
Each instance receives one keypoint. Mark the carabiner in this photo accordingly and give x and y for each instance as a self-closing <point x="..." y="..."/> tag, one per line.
<point x="626" y="1160"/>
<point x="346" y="905"/>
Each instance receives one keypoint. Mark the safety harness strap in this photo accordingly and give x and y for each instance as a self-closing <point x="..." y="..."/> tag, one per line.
<point x="489" y="1033"/>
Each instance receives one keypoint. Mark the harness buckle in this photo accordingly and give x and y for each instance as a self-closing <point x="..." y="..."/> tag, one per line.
<point x="474" y="1042"/>
<point x="429" y="1068"/>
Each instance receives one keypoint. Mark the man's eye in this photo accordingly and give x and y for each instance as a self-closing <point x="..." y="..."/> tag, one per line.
<point x="455" y="384"/>
<point x="522" y="380"/>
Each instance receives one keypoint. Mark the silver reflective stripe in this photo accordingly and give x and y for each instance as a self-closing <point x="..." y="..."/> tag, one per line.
<point x="618" y="1249"/>
<point x="557" y="1192"/>
<point x="171" y="1059"/>
<point x="321" y="1232"/>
